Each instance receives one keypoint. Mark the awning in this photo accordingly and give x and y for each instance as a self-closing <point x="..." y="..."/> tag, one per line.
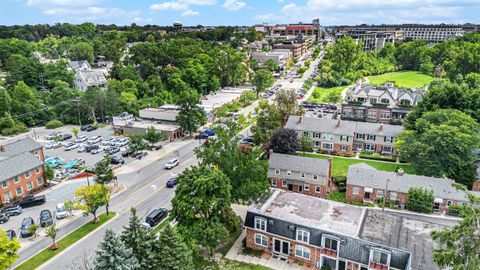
<point x="438" y="200"/>
<point x="368" y="189"/>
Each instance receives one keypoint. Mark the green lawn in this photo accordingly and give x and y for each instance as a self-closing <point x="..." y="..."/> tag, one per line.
<point x="46" y="254"/>
<point x="406" y="79"/>
<point x="320" y="94"/>
<point x="340" y="165"/>
<point x="226" y="264"/>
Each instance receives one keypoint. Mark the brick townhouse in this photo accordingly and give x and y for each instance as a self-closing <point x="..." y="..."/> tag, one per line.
<point x="319" y="233"/>
<point x="367" y="184"/>
<point x="339" y="136"/>
<point x="21" y="169"/>
<point x="305" y="175"/>
<point x="380" y="104"/>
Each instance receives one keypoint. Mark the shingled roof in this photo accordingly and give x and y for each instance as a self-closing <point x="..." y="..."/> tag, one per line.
<point x="298" y="164"/>
<point x="16" y="158"/>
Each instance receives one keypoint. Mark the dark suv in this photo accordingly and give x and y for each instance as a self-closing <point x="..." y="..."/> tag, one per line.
<point x="156" y="216"/>
<point x="91" y="147"/>
<point x="46" y="218"/>
<point x="26" y="224"/>
<point x="12" y="210"/>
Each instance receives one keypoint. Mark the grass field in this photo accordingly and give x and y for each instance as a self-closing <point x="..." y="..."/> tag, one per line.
<point x="226" y="264"/>
<point x="406" y="79"/>
<point x="320" y="94"/>
<point x="340" y="164"/>
<point x="46" y="254"/>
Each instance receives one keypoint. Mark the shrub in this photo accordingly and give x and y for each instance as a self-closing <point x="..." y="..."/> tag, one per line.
<point x="18" y="128"/>
<point x="376" y="156"/>
<point x="52" y="124"/>
<point x="454" y="210"/>
<point x="420" y="200"/>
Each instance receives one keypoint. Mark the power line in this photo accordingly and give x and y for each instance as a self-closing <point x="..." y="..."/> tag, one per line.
<point x="20" y="116"/>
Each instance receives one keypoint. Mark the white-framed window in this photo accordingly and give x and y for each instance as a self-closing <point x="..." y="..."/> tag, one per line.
<point x="379" y="193"/>
<point x="27" y="174"/>
<point x="343" y="138"/>
<point x="5" y="184"/>
<point x="7" y="197"/>
<point x="386" y="149"/>
<point x="37" y="170"/>
<point x="19" y="191"/>
<point x="302" y="174"/>
<point x="385" y="115"/>
<point x="327" y="146"/>
<point x="393" y="195"/>
<point x="315" y="177"/>
<point x="369" y="147"/>
<point x="284" y="183"/>
<point x="306" y="186"/>
<point x="289" y="173"/>
<point x="388" y="139"/>
<point x="316" y="135"/>
<point x="302" y="252"/>
<point x="385" y="100"/>
<point x="327" y="137"/>
<point x="344" y="148"/>
<point x="303" y="236"/>
<point x="40" y="181"/>
<point x="261" y="240"/>
<point x="277" y="171"/>
<point x="360" y="136"/>
<point x="16" y="179"/>
<point x="372" y="114"/>
<point x="318" y="189"/>
<point x="29" y="186"/>
<point x="330" y="243"/>
<point x="380" y="257"/>
<point x="274" y="182"/>
<point x="355" y="190"/>
<point x="371" y="137"/>
<point x="260" y="224"/>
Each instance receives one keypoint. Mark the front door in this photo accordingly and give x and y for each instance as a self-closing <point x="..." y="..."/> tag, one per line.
<point x="290" y="187"/>
<point x="281" y="247"/>
<point x="300" y="188"/>
<point x="367" y="196"/>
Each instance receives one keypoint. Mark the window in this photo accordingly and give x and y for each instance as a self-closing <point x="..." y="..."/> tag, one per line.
<point x="355" y="190"/>
<point x="5" y="184"/>
<point x="327" y="137"/>
<point x="388" y="139"/>
<point x="27" y="174"/>
<point x="330" y="243"/>
<point x="260" y="224"/>
<point x="277" y="171"/>
<point x="16" y="179"/>
<point x="37" y="170"/>
<point x="315" y="177"/>
<point x="379" y="193"/>
<point x="303" y="235"/>
<point x="360" y="136"/>
<point x="289" y="172"/>
<point x="327" y="146"/>
<point x="19" y="191"/>
<point x="344" y="138"/>
<point x="303" y="252"/>
<point x="371" y="137"/>
<point x="318" y="189"/>
<point x="344" y="148"/>
<point x="274" y="183"/>
<point x="372" y="114"/>
<point x="316" y="135"/>
<point x="449" y="203"/>
<point x="385" y="100"/>
<point x="29" y="186"/>
<point x="306" y="187"/>
<point x="305" y="133"/>
<point x="40" y="181"/>
<point x="386" y="149"/>
<point x="370" y="147"/>
<point x="261" y="240"/>
<point x="385" y="115"/>
<point x="284" y="183"/>
<point x="373" y="100"/>
<point x="393" y="195"/>
<point x="379" y="257"/>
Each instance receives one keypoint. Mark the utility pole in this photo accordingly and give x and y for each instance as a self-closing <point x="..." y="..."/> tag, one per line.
<point x="385" y="195"/>
<point x="77" y="100"/>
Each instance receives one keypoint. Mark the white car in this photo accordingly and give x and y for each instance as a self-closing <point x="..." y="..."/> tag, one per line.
<point x="94" y="140"/>
<point x="96" y="151"/>
<point x="81" y="149"/>
<point x="171" y="164"/>
<point x="71" y="146"/>
<point x="81" y="138"/>
<point x="121" y="143"/>
<point x="53" y="145"/>
<point x="60" y="211"/>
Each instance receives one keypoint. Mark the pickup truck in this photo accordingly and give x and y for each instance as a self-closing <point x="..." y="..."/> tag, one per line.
<point x="31" y="200"/>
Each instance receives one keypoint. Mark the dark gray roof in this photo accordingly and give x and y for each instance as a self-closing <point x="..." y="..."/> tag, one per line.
<point x="340" y="127"/>
<point x="24" y="145"/>
<point x="297" y="164"/>
<point x="351" y="248"/>
<point x="358" y="175"/>
<point x="366" y="90"/>
<point x="18" y="164"/>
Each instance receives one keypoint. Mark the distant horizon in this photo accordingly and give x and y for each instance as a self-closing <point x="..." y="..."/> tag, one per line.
<point x="238" y="12"/>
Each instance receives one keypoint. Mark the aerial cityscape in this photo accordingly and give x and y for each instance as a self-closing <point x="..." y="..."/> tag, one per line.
<point x="239" y="135"/>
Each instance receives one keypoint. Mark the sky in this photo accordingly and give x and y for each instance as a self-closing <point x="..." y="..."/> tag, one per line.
<point x="238" y="12"/>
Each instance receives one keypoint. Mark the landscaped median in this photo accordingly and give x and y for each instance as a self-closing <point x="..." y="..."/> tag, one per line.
<point x="46" y="254"/>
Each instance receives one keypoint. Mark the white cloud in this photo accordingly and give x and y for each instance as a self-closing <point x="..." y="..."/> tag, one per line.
<point x="172" y="5"/>
<point x="233" y="5"/>
<point x="264" y="17"/>
<point x="190" y="12"/>
<point x="289" y="7"/>
<point x="62" y="2"/>
<point x="74" y="11"/>
<point x="200" y="2"/>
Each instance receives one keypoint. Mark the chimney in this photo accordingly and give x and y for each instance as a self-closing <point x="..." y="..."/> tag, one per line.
<point x="300" y="119"/>
<point x="358" y="84"/>
<point x="400" y="172"/>
<point x="2" y="148"/>
<point x="381" y="127"/>
<point x="339" y="123"/>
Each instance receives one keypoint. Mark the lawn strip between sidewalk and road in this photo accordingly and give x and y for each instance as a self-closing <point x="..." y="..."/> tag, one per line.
<point x="163" y="224"/>
<point x="70" y="239"/>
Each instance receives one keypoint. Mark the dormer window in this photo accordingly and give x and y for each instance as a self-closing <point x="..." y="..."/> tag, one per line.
<point x="330" y="243"/>
<point x="289" y="173"/>
<point x="303" y="236"/>
<point x="260" y="224"/>
<point x="277" y="171"/>
<point x="315" y="177"/>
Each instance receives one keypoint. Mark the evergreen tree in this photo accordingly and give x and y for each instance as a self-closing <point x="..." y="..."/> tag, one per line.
<point x="136" y="237"/>
<point x="173" y="253"/>
<point x="113" y="255"/>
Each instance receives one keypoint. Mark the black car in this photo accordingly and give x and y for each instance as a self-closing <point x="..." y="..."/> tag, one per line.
<point x="172" y="182"/>
<point x="46" y="218"/>
<point x="13" y="210"/>
<point x="116" y="160"/>
<point x="247" y="140"/>
<point x="26" y="223"/>
<point x="11" y="234"/>
<point x="4" y="218"/>
<point x="201" y="136"/>
<point x="112" y="150"/>
<point x="65" y="137"/>
<point x="127" y="153"/>
<point x="91" y="147"/>
<point x="31" y="200"/>
<point x="156" y="216"/>
<point x="88" y="128"/>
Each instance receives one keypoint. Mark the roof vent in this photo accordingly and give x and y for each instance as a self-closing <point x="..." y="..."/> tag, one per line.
<point x="291" y="227"/>
<point x="339" y="123"/>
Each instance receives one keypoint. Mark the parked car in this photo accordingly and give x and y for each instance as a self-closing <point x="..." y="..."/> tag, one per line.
<point x="81" y="139"/>
<point x="4" y="218"/>
<point x="53" y="145"/>
<point x="112" y="150"/>
<point x="82" y="148"/>
<point x="172" y="182"/>
<point x="201" y="135"/>
<point x="171" y="164"/>
<point x="31" y="200"/>
<point x="127" y="153"/>
<point x="65" y="137"/>
<point x="121" y="143"/>
<point x="156" y="216"/>
<point x="11" y="234"/>
<point x="26" y="223"/>
<point x="141" y="155"/>
<point x="52" y="135"/>
<point x="88" y="128"/>
<point x="90" y="148"/>
<point x="60" y="211"/>
<point x="12" y="210"/>
<point x="94" y="140"/>
<point x="247" y="140"/>
<point x="46" y="218"/>
<point x="98" y="150"/>
<point x="116" y="160"/>
<point x="71" y="146"/>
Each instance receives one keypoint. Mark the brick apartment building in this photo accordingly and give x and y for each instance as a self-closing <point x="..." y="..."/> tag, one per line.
<point x="379" y="104"/>
<point x="298" y="46"/>
<point x="366" y="184"/>
<point x="310" y="176"/>
<point x="21" y="169"/>
<point x="338" y="136"/>
<point x="318" y="233"/>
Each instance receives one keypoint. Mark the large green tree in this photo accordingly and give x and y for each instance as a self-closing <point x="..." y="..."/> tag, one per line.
<point x="191" y="116"/>
<point x="286" y="102"/>
<point x="173" y="252"/>
<point x="268" y="120"/>
<point x="81" y="51"/>
<point x="90" y="198"/>
<point x="262" y="80"/>
<point x="8" y="250"/>
<point x="442" y="143"/>
<point x="112" y="254"/>
<point x="284" y="141"/>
